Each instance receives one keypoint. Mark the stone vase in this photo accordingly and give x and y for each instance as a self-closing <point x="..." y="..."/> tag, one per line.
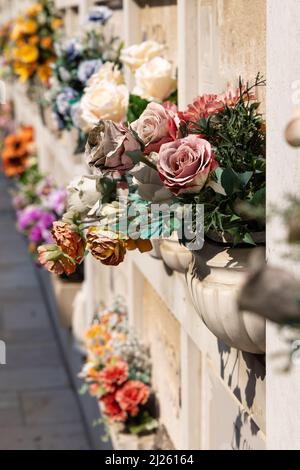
<point x="214" y="280"/>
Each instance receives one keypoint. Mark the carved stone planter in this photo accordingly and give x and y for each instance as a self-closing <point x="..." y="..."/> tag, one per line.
<point x="125" y="441"/>
<point x="156" y="252"/>
<point x="214" y="279"/>
<point x="65" y="293"/>
<point x="177" y="257"/>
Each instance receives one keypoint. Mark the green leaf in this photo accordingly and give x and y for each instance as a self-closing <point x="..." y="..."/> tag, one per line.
<point x="144" y="423"/>
<point x="233" y="182"/>
<point x="248" y="239"/>
<point x="259" y="198"/>
<point x="136" y="107"/>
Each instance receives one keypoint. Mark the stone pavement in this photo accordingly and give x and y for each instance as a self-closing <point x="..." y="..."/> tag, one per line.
<point x="39" y="409"/>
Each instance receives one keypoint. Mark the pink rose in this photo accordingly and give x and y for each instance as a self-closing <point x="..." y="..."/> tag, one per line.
<point x="107" y="145"/>
<point x="185" y="164"/>
<point x="156" y="126"/>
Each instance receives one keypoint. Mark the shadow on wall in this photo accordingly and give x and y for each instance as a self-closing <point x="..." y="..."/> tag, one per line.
<point x="255" y="370"/>
<point x="239" y="441"/>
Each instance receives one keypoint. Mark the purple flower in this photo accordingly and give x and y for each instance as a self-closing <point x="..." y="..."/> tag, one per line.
<point x="57" y="201"/>
<point x="46" y="220"/>
<point x="87" y="68"/>
<point x="28" y="216"/>
<point x="35" y="234"/>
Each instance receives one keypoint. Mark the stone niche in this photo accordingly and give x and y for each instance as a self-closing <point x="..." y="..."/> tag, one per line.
<point x="158" y="21"/>
<point x="231" y="42"/>
<point x="162" y="332"/>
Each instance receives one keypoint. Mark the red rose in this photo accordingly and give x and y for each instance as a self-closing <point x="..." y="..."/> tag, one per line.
<point x="113" y="375"/>
<point x="112" y="409"/>
<point x="131" y="395"/>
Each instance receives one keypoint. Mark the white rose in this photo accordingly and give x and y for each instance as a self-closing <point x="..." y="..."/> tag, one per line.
<point x="137" y="55"/>
<point x="104" y="100"/>
<point x="155" y="80"/>
<point x="108" y="72"/>
<point x="83" y="194"/>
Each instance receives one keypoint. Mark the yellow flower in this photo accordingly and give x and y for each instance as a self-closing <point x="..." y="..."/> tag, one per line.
<point x="17" y="31"/>
<point x="56" y="23"/>
<point x="44" y="72"/>
<point x="46" y="42"/>
<point x="23" y="71"/>
<point x="30" y="27"/>
<point x="27" y="54"/>
<point x="34" y="9"/>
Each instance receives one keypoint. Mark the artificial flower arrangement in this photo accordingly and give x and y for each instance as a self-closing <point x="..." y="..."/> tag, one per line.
<point x="106" y="96"/>
<point x="118" y="372"/>
<point x="94" y="201"/>
<point x="38" y="203"/>
<point x="32" y="42"/>
<point x="16" y="150"/>
<point x="77" y="59"/>
<point x="212" y="154"/>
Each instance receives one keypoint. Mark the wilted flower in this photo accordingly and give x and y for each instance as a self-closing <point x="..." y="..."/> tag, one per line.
<point x="71" y="243"/>
<point x="107" y="145"/>
<point x="104" y="100"/>
<point x="155" y="80"/>
<point x="133" y="394"/>
<point x="137" y="55"/>
<point x="106" y="246"/>
<point x="185" y="164"/>
<point x="88" y="68"/>
<point x="55" y="260"/>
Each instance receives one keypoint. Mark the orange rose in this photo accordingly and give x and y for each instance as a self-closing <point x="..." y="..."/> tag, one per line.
<point x="69" y="241"/>
<point x="106" y="246"/>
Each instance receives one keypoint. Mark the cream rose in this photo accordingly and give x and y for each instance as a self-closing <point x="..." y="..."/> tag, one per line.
<point x="104" y="101"/>
<point x="108" y="72"/>
<point x="155" y="80"/>
<point x="137" y="55"/>
<point x="83" y="193"/>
